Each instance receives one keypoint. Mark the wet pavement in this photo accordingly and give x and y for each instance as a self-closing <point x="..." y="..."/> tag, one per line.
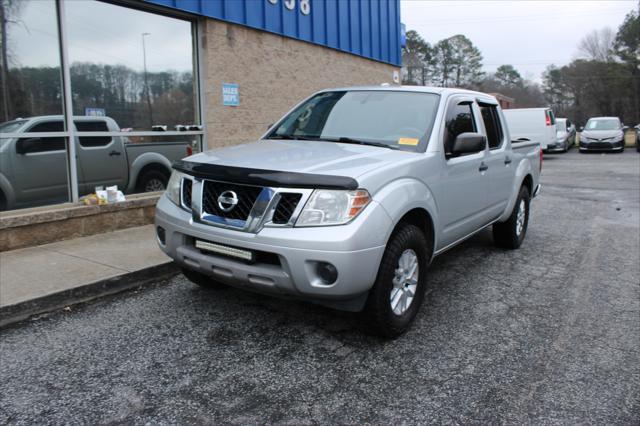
<point x="546" y="334"/>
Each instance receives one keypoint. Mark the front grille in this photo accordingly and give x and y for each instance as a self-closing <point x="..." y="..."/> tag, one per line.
<point x="247" y="196"/>
<point x="599" y="145"/>
<point x="186" y="192"/>
<point x="285" y="208"/>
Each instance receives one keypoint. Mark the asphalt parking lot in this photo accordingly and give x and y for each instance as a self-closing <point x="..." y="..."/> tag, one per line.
<point x="546" y="334"/>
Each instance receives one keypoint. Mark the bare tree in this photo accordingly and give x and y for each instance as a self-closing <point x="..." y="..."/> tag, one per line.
<point x="598" y="45"/>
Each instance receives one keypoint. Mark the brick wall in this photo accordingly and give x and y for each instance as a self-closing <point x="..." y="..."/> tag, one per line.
<point x="274" y="73"/>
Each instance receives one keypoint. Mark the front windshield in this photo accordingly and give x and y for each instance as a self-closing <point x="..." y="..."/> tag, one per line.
<point x="603" y="125"/>
<point x="388" y="118"/>
<point x="11" y="126"/>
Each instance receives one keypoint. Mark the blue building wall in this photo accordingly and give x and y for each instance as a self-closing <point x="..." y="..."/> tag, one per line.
<point x="369" y="28"/>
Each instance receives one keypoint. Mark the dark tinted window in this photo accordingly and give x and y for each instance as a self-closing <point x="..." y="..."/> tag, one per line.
<point x="459" y="120"/>
<point x="93" y="126"/>
<point x="45" y="144"/>
<point x="552" y="117"/>
<point x="492" y="124"/>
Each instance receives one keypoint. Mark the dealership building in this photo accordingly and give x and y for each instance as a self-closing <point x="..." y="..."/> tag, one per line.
<point x="209" y="72"/>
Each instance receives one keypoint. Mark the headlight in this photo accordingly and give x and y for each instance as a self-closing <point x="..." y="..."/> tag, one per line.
<point x="331" y="207"/>
<point x="173" y="187"/>
<point x="583" y="138"/>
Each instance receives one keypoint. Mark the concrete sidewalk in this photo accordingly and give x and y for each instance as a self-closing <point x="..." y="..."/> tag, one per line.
<point x="37" y="279"/>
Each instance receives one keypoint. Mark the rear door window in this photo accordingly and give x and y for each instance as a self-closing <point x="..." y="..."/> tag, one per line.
<point x="93" y="126"/>
<point x="492" y="124"/>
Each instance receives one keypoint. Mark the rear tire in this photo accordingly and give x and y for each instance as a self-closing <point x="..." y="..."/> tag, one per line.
<point x="510" y="234"/>
<point x="202" y="280"/>
<point x="401" y="279"/>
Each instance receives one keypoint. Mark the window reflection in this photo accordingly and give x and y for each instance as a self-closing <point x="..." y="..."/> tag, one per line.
<point x="30" y="76"/>
<point x="135" y="67"/>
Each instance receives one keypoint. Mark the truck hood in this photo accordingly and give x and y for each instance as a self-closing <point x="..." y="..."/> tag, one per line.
<point x="602" y="134"/>
<point x="325" y="158"/>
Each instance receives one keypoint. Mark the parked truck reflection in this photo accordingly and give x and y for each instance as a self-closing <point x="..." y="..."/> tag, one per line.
<point x="33" y="170"/>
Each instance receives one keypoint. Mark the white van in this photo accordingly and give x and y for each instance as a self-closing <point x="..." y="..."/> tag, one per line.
<point x="535" y="124"/>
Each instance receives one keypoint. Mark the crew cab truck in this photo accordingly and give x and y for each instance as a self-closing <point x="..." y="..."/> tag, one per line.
<point x="33" y="171"/>
<point x="347" y="199"/>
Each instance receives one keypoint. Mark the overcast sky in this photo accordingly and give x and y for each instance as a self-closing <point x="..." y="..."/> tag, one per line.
<point x="527" y="34"/>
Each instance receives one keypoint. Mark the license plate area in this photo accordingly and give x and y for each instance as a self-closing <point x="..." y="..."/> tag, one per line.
<point x="224" y="250"/>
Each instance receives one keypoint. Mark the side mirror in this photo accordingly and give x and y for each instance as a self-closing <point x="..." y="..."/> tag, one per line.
<point x="25" y="146"/>
<point x="468" y="143"/>
<point x="581" y="128"/>
<point x="625" y="128"/>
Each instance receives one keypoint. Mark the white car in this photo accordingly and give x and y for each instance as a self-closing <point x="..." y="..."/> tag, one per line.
<point x="534" y="124"/>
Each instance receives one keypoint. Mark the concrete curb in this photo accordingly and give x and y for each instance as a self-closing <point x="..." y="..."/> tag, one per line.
<point x="23" y="310"/>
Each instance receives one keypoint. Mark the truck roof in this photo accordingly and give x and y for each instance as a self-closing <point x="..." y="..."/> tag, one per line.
<point x="416" y="89"/>
<point x="60" y="117"/>
<point x="527" y="109"/>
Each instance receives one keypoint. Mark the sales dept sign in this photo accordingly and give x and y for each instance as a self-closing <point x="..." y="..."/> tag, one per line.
<point x="230" y="94"/>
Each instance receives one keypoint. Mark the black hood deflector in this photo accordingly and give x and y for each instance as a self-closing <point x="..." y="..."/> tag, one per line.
<point x="260" y="177"/>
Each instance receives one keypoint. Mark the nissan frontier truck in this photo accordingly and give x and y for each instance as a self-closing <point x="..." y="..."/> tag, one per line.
<point x="348" y="198"/>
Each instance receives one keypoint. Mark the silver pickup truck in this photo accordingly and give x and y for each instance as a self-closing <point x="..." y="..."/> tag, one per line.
<point x="33" y="171"/>
<point x="347" y="199"/>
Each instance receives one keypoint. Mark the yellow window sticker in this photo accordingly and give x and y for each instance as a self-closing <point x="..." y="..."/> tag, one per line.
<point x="408" y="141"/>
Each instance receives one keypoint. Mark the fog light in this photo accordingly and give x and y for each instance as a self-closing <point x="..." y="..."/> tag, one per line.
<point x="327" y="272"/>
<point x="161" y="235"/>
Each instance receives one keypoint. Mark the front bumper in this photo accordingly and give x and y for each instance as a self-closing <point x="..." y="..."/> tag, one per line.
<point x="289" y="255"/>
<point x="602" y="146"/>
<point x="555" y="147"/>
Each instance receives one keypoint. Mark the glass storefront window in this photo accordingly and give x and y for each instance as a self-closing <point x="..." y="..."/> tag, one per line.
<point x="133" y="66"/>
<point x="33" y="167"/>
<point x="30" y="75"/>
<point x="132" y="78"/>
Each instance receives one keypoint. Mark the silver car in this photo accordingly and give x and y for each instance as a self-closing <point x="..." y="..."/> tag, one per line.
<point x="565" y="136"/>
<point x="602" y="134"/>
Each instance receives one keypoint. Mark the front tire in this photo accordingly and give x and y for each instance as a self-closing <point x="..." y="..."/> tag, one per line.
<point x="510" y="234"/>
<point x="152" y="181"/>
<point x="398" y="292"/>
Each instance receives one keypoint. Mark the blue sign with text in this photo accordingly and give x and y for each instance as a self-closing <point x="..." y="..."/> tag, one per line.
<point x="95" y="112"/>
<point x="230" y="94"/>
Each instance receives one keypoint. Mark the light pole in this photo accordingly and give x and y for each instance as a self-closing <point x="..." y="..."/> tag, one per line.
<point x="4" y="76"/>
<point x="146" y="81"/>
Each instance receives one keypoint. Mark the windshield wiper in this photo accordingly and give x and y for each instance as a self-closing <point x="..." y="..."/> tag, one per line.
<point x="294" y="137"/>
<point x="344" y="139"/>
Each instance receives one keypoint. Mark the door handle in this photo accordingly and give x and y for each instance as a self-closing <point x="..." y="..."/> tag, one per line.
<point x="507" y="160"/>
<point x="483" y="167"/>
<point x="114" y="152"/>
